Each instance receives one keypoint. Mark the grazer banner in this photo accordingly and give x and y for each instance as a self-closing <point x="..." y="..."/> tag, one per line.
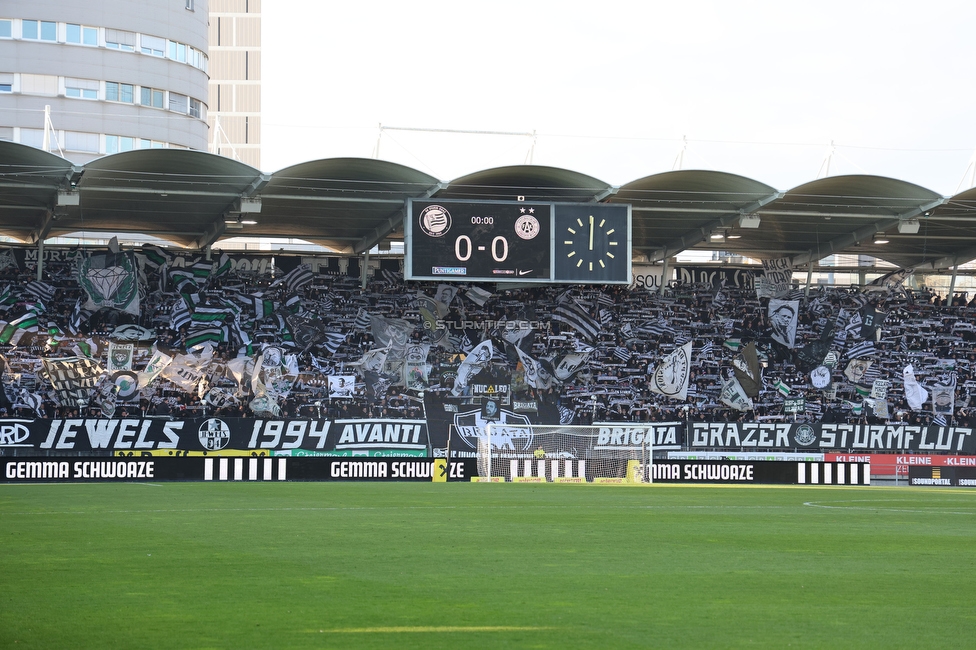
<point x="183" y="468"/>
<point x="743" y="436"/>
<point x="367" y="437"/>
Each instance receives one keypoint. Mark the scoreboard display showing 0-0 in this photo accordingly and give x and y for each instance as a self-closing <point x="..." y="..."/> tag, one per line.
<point x="517" y="241"/>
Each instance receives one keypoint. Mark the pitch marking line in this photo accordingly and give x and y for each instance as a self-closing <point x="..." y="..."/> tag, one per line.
<point x="356" y="509"/>
<point x="427" y="628"/>
<point x="882" y="508"/>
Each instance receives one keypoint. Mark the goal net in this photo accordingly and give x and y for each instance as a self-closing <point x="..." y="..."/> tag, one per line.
<point x="607" y="453"/>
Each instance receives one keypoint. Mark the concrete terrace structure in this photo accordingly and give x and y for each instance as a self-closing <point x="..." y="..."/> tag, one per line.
<point x="118" y="75"/>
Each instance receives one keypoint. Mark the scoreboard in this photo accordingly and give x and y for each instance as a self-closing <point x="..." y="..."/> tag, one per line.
<point x="517" y="241"/>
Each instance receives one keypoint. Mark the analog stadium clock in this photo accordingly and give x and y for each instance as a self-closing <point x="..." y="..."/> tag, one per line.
<point x="592" y="243"/>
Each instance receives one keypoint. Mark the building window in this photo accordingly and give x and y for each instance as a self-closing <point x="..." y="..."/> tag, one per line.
<point x="6" y="82"/>
<point x="177" y="51"/>
<point x="153" y="45"/>
<point x="6" y="88"/>
<point x="75" y="141"/>
<point x="195" y="108"/>
<point x="117" y="143"/>
<point x="6" y="28"/>
<point x="39" y="30"/>
<point x="116" y="92"/>
<point x="177" y="103"/>
<point x="151" y="97"/>
<point x="118" y="39"/>
<point x="81" y="35"/>
<point x="80" y="88"/>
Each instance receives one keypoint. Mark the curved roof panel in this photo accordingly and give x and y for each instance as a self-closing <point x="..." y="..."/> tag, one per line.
<point x="532" y="182"/>
<point x="677" y="210"/>
<point x="29" y="182"/>
<point x="193" y="199"/>
<point x="174" y="194"/>
<point x="347" y="204"/>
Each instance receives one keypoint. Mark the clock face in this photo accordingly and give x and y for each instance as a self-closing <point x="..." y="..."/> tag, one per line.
<point x="592" y="243"/>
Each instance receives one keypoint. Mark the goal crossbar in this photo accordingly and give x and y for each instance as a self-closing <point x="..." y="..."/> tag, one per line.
<point x="598" y="453"/>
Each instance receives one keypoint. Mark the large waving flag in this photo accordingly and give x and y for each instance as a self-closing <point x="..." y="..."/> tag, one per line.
<point x="572" y="313"/>
<point x="670" y="377"/>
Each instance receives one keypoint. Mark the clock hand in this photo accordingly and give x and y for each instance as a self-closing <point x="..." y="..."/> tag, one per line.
<point x="591" y="232"/>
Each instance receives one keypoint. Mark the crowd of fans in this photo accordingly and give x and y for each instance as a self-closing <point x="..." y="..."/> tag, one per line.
<point x="635" y="328"/>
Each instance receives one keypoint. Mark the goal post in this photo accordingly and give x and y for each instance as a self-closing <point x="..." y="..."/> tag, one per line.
<point x="598" y="453"/>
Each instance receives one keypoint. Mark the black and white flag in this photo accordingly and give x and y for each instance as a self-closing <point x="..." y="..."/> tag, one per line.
<point x="571" y="313"/>
<point x="782" y="319"/>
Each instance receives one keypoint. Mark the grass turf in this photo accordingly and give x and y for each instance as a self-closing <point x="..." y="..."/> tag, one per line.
<point x="295" y="565"/>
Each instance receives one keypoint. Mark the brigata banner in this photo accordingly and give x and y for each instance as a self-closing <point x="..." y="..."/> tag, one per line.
<point x="823" y="437"/>
<point x="374" y="437"/>
<point x="53" y="469"/>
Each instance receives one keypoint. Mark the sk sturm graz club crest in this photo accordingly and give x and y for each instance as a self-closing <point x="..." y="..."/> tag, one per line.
<point x="214" y="434"/>
<point x="111" y="281"/>
<point x="805" y="435"/>
<point x="435" y="221"/>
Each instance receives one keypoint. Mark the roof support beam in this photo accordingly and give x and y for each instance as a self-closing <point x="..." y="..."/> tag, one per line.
<point x="702" y="233"/>
<point x="948" y="262"/>
<point x="610" y="191"/>
<point x="211" y="234"/>
<point x="41" y="233"/>
<point x="838" y="244"/>
<point x="394" y="221"/>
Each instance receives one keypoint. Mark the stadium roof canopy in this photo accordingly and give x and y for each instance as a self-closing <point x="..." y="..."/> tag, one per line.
<point x="194" y="199"/>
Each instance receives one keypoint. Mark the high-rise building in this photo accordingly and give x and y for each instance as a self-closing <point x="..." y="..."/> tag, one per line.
<point x="235" y="80"/>
<point x="104" y="76"/>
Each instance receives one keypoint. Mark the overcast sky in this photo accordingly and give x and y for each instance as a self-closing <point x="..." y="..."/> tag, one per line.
<point x="612" y="88"/>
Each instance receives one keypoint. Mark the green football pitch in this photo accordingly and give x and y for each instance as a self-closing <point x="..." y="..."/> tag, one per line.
<point x="405" y="565"/>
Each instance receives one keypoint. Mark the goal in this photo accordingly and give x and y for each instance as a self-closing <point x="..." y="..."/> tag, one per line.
<point x="599" y="453"/>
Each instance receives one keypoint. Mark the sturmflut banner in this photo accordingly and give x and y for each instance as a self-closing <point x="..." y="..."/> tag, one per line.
<point x="882" y="437"/>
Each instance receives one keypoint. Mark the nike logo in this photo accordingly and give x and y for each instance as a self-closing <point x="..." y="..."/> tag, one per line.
<point x="525" y="272"/>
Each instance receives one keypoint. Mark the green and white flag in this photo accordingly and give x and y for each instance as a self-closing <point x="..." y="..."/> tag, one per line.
<point x="157" y="363"/>
<point x="11" y="333"/>
<point x="782" y="388"/>
<point x="732" y="395"/>
<point x="120" y="356"/>
<point x="110" y="281"/>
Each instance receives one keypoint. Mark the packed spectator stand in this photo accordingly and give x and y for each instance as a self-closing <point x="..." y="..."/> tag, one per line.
<point x="326" y="326"/>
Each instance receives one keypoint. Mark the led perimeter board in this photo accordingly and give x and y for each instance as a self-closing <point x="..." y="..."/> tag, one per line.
<point x="517" y="241"/>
